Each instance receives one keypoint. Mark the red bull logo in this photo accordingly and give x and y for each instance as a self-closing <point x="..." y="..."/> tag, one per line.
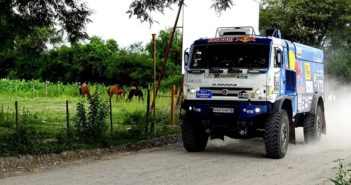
<point x="245" y="39"/>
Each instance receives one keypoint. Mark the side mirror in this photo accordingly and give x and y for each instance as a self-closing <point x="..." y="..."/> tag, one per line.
<point x="186" y="58"/>
<point x="278" y="57"/>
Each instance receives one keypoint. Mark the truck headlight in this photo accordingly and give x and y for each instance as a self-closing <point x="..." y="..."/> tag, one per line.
<point x="192" y="91"/>
<point x="258" y="92"/>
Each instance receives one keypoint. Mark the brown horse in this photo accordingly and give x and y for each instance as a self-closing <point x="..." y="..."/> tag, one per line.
<point x="116" y="89"/>
<point x="84" y="90"/>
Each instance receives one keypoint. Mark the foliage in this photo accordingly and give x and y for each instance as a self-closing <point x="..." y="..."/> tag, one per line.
<point x="343" y="176"/>
<point x="162" y="44"/>
<point x="306" y="21"/>
<point x="27" y="139"/>
<point x="325" y="24"/>
<point x="81" y="62"/>
<point x="91" y="126"/>
<point x="142" y="9"/>
<point x="136" y="121"/>
<point x="21" y="18"/>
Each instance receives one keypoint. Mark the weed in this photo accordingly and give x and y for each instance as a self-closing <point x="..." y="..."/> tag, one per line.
<point x="343" y="176"/>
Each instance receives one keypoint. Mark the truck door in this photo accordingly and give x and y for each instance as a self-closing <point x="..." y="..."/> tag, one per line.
<point x="290" y="74"/>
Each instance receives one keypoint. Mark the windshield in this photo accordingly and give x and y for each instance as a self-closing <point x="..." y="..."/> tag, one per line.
<point x="230" y="56"/>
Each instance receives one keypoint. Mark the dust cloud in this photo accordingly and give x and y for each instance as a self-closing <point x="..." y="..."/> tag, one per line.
<point x="338" y="114"/>
<point x="338" y="121"/>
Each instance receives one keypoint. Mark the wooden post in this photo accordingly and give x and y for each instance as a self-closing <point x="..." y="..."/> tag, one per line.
<point x="111" y="124"/>
<point x="163" y="68"/>
<point x="172" y="105"/>
<point x="154" y="69"/>
<point x="180" y="93"/>
<point x="17" y="124"/>
<point x="147" y="110"/>
<point x="67" y="118"/>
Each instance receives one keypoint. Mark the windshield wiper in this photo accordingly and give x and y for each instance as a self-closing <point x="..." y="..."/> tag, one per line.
<point x="233" y="70"/>
<point x="257" y="71"/>
<point x="196" y="71"/>
<point x="215" y="70"/>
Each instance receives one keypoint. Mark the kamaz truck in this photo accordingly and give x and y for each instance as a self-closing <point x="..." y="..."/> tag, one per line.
<point x="242" y="86"/>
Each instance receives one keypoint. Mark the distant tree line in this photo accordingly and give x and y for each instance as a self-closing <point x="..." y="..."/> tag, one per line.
<point x="97" y="61"/>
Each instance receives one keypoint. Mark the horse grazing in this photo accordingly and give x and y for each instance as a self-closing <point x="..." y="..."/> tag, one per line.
<point x="84" y="90"/>
<point x="116" y="89"/>
<point x="135" y="92"/>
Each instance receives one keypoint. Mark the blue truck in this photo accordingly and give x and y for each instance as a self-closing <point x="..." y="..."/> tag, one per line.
<point x="242" y="86"/>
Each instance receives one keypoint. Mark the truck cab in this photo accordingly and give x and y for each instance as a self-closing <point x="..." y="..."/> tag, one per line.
<point x="241" y="85"/>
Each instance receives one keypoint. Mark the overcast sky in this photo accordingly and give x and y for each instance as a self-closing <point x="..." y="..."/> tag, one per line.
<point x="110" y="20"/>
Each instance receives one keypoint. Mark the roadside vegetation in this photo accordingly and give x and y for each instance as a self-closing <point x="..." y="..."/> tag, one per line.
<point x="42" y="118"/>
<point x="343" y="175"/>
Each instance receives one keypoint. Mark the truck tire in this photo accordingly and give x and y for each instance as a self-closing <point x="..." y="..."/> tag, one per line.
<point x="193" y="134"/>
<point x="277" y="134"/>
<point x="313" y="126"/>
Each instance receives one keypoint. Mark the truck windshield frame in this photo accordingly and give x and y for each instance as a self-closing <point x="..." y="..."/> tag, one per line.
<point x="230" y="55"/>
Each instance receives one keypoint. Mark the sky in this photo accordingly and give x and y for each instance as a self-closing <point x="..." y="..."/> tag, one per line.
<point x="111" y="21"/>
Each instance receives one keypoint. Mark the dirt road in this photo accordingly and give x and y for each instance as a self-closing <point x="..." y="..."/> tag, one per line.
<point x="231" y="162"/>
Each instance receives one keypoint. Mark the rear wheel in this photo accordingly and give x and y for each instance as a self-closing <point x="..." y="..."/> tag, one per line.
<point x="313" y="126"/>
<point x="193" y="134"/>
<point x="277" y="134"/>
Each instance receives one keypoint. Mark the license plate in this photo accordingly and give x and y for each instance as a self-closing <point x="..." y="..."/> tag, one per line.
<point x="223" y="110"/>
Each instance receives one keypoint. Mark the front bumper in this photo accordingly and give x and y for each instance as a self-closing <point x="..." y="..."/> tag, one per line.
<point x="238" y="110"/>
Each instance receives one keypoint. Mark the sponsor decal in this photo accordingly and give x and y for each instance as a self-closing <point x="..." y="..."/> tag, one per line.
<point x="222" y="39"/>
<point x="203" y="93"/>
<point x="245" y="39"/>
<point x="298" y="70"/>
<point x="309" y="86"/>
<point x="308" y="71"/>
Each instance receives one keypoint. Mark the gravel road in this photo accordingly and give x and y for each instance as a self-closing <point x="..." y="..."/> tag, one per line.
<point x="231" y="162"/>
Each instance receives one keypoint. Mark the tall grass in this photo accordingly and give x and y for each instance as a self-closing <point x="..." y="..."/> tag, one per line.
<point x="36" y="88"/>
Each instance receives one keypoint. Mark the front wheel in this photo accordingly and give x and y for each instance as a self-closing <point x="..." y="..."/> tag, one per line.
<point x="194" y="135"/>
<point x="277" y="134"/>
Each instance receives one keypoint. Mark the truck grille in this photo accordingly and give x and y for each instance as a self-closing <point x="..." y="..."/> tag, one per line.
<point x="222" y="91"/>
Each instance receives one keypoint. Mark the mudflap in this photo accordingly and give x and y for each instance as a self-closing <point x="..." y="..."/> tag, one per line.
<point x="292" y="134"/>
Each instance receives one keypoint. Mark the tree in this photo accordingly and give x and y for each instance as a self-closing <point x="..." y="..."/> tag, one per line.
<point x="142" y="9"/>
<point x="162" y="44"/>
<point x="22" y="61"/>
<point x="321" y="23"/>
<point x="19" y="18"/>
<point x="307" y="21"/>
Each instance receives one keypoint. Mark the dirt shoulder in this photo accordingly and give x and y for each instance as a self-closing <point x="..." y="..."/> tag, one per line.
<point x="24" y="164"/>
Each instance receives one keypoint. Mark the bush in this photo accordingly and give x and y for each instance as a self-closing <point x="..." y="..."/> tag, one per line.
<point x="91" y="125"/>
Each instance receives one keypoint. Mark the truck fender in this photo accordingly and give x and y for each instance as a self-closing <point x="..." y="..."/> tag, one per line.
<point x="315" y="101"/>
<point x="278" y="105"/>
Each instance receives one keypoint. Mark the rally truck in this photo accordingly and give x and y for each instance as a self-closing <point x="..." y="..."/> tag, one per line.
<point x="242" y="86"/>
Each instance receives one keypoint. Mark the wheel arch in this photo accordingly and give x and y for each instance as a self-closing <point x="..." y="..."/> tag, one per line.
<point x="285" y="103"/>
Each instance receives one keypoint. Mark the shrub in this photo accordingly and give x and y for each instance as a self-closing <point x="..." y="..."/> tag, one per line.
<point x="91" y="125"/>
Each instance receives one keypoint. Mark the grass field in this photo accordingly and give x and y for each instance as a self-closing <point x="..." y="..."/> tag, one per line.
<point x="46" y="103"/>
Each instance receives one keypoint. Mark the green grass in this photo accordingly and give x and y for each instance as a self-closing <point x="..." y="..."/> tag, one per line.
<point x="48" y="110"/>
